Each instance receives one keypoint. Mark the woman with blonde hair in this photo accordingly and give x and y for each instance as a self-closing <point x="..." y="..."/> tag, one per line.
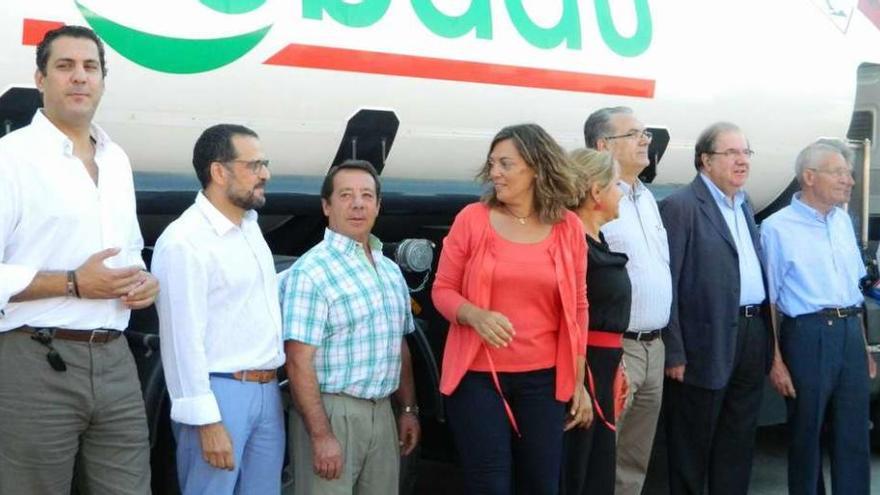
<point x="511" y="282"/>
<point x="590" y="453"/>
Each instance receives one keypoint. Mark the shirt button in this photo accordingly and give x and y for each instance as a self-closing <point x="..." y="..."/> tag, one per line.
<point x="830" y="323"/>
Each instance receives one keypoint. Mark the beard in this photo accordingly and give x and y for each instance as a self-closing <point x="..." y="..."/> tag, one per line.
<point x="246" y="200"/>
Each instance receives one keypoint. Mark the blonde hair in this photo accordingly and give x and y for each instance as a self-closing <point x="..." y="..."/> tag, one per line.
<point x="555" y="187"/>
<point x="591" y="168"/>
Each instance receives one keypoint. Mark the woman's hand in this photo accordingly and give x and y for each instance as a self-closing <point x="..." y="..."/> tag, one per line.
<point x="493" y="327"/>
<point x="580" y="409"/>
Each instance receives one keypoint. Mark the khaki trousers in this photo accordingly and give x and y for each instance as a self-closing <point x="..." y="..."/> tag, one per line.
<point x="91" y="415"/>
<point x="367" y="432"/>
<point x="645" y="362"/>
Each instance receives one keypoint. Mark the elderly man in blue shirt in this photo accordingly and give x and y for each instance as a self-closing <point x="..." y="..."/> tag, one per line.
<point x="813" y="267"/>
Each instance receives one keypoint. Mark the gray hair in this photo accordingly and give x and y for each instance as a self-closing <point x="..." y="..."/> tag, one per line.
<point x="707" y="139"/>
<point x="810" y="157"/>
<point x="598" y="124"/>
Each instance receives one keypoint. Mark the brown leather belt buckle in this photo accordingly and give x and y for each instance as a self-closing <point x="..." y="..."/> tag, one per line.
<point x="259" y="376"/>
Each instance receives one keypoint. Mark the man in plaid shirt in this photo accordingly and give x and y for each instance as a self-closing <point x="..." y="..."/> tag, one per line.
<point x="345" y="310"/>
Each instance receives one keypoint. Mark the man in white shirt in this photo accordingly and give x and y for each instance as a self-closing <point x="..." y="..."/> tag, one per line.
<point x="70" y="273"/>
<point x="639" y="233"/>
<point x="220" y="324"/>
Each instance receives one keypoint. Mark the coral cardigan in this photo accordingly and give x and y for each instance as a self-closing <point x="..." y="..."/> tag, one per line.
<point x="464" y="275"/>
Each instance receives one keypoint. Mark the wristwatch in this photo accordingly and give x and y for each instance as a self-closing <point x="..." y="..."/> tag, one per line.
<point x="410" y="410"/>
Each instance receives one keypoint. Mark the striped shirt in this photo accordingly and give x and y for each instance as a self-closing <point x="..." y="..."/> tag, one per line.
<point x="356" y="314"/>
<point x="639" y="234"/>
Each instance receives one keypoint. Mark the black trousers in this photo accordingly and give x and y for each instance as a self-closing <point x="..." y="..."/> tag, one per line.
<point x="711" y="433"/>
<point x="590" y="454"/>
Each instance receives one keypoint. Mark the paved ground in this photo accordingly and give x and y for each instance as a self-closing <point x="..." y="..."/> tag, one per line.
<point x="768" y="476"/>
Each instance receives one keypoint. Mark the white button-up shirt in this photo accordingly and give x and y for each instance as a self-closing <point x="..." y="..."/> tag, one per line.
<point x="639" y="233"/>
<point x="53" y="217"/>
<point x="218" y="306"/>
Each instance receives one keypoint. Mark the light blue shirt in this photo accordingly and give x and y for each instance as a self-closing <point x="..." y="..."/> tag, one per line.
<point x="812" y="261"/>
<point x="751" y="281"/>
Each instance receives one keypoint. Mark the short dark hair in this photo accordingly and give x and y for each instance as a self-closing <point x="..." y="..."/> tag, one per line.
<point x="350" y="164"/>
<point x="598" y="124"/>
<point x="44" y="49"/>
<point x="706" y="141"/>
<point x="215" y="145"/>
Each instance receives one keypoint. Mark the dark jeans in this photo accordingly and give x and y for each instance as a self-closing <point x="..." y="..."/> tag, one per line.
<point x="494" y="460"/>
<point x="828" y="365"/>
<point x="711" y="433"/>
<point x="590" y="455"/>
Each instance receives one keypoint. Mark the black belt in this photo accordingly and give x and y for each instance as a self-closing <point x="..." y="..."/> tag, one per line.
<point x="643" y="336"/>
<point x="841" y="313"/>
<point x="96" y="336"/>
<point x="750" y="310"/>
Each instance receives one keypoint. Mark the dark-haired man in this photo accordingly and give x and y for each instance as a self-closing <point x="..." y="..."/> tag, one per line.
<point x="346" y="309"/>
<point x="717" y="342"/>
<point x="70" y="273"/>
<point x="220" y="324"/>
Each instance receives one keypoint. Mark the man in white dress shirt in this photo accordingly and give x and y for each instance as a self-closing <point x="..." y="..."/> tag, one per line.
<point x="70" y="273"/>
<point x="220" y="324"/>
<point x="639" y="233"/>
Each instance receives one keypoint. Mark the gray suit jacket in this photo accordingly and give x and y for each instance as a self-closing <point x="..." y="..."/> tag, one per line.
<point x="705" y="285"/>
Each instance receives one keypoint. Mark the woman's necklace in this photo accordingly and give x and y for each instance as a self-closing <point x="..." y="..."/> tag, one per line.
<point x="521" y="220"/>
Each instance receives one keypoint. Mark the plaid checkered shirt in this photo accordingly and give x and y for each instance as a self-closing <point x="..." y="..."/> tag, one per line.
<point x="356" y="315"/>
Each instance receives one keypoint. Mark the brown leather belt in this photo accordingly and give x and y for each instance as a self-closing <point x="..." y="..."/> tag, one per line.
<point x="97" y="336"/>
<point x="259" y="376"/>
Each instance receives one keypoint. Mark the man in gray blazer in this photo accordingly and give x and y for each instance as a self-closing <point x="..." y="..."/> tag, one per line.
<point x="717" y="340"/>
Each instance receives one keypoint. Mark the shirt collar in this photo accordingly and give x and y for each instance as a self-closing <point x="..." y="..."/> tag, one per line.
<point x="808" y="211"/>
<point x="632" y="191"/>
<point x="719" y="195"/>
<point x="218" y="220"/>
<point x="348" y="245"/>
<point x="41" y="122"/>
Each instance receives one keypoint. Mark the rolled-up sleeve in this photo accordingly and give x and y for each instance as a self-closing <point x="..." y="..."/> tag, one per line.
<point x="182" y="305"/>
<point x="13" y="278"/>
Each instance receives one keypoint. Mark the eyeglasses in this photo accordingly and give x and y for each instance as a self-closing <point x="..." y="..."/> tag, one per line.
<point x="255" y="166"/>
<point x="838" y="172"/>
<point x="634" y="134"/>
<point x="745" y="153"/>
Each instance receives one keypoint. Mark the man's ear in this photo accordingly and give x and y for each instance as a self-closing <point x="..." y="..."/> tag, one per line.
<point x="38" y="80"/>
<point x="219" y="173"/>
<point x="602" y="144"/>
<point x="325" y="206"/>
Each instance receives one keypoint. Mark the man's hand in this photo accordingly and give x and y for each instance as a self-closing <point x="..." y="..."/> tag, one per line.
<point x="676" y="373"/>
<point x="493" y="327"/>
<point x="580" y="409"/>
<point x="872" y="366"/>
<point x="327" y="456"/>
<point x="409" y="431"/>
<point x="216" y="446"/>
<point x="95" y="281"/>
<point x="781" y="379"/>
<point x="143" y="294"/>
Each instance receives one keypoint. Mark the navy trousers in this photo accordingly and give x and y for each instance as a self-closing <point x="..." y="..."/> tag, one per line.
<point x="710" y="434"/>
<point x="828" y="365"/>
<point x="493" y="459"/>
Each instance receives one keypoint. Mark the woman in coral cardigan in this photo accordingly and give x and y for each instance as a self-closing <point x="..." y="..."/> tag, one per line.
<point x="590" y="454"/>
<point x="512" y="283"/>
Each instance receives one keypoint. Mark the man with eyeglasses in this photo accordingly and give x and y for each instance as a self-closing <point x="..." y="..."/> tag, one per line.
<point x="718" y="341"/>
<point x="821" y="363"/>
<point x="220" y="324"/>
<point x="639" y="233"/>
<point x="71" y="271"/>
